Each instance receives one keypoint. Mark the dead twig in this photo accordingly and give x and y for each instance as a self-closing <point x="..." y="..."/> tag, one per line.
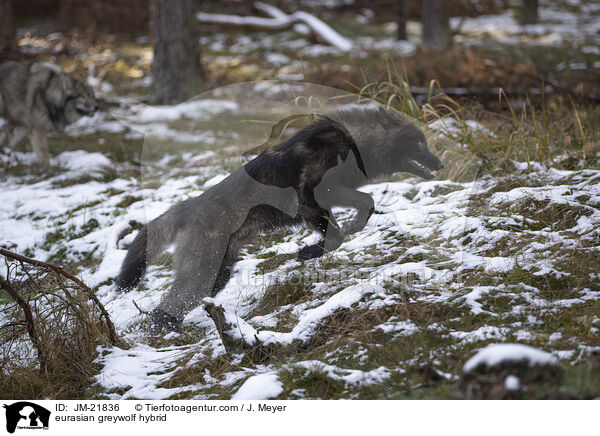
<point x="61" y="271"/>
<point x="5" y="284"/>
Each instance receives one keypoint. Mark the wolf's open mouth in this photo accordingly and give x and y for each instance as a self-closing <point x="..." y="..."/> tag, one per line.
<point x="421" y="167"/>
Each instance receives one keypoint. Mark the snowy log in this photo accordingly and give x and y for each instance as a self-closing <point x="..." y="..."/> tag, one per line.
<point x="275" y="12"/>
<point x="281" y="21"/>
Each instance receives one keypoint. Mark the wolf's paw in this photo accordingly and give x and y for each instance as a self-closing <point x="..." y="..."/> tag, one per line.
<point x="310" y="252"/>
<point x="160" y="320"/>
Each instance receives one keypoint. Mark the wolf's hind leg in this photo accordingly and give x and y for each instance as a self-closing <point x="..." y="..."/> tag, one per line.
<point x="197" y="261"/>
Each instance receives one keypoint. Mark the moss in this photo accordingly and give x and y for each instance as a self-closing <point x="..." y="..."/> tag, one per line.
<point x="128" y="201"/>
<point x="86" y="205"/>
<point x="274" y="262"/>
<point x="91" y="225"/>
<point x="135" y="225"/>
<point x="106" y="175"/>
<point x="411" y="194"/>
<point x="544" y="214"/>
<point x="440" y="190"/>
<point x="113" y="191"/>
<point x="310" y="383"/>
<point x="292" y="290"/>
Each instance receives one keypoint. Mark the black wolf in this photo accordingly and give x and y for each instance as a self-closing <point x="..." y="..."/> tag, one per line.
<point x="295" y="182"/>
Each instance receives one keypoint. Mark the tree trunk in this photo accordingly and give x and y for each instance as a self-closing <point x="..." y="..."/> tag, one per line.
<point x="176" y="68"/>
<point x="401" y="11"/>
<point x="7" y="27"/>
<point x="529" y="12"/>
<point x="435" y="17"/>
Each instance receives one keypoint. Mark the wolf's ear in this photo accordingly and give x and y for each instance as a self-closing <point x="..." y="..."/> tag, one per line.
<point x="384" y="118"/>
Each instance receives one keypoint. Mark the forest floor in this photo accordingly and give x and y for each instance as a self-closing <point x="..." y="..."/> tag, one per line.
<point x="502" y="247"/>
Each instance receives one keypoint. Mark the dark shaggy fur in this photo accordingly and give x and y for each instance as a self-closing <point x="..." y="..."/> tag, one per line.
<point x="296" y="182"/>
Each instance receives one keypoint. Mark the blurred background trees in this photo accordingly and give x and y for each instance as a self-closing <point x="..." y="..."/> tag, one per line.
<point x="176" y="68"/>
<point x="529" y="12"/>
<point x="112" y="41"/>
<point x="435" y="17"/>
<point x="7" y="28"/>
<point x="401" y="13"/>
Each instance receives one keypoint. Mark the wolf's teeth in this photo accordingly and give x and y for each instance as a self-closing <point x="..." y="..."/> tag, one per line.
<point x="421" y="166"/>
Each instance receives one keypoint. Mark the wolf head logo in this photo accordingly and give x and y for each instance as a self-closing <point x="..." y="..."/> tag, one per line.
<point x="27" y="415"/>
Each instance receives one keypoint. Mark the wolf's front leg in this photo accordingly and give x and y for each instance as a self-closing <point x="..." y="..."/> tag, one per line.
<point x="341" y="195"/>
<point x="364" y="205"/>
<point x="333" y="238"/>
<point x="350" y="197"/>
<point x="39" y="141"/>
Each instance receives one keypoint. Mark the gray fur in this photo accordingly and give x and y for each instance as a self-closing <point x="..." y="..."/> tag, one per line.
<point x="38" y="98"/>
<point x="210" y="246"/>
<point x="296" y="182"/>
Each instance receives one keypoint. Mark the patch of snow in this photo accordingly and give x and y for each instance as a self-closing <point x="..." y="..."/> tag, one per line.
<point x="81" y="161"/>
<point x="472" y="299"/>
<point x="494" y="354"/>
<point x="555" y="336"/>
<point x="512" y="383"/>
<point x="259" y="387"/>
<point x="399" y="328"/>
<point x="348" y="376"/>
<point x="141" y="368"/>
<point x="308" y="320"/>
<point x="481" y="334"/>
<point x="203" y="109"/>
<point x="564" y="354"/>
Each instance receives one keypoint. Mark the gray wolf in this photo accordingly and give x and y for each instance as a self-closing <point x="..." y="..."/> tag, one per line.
<point x="38" y="98"/>
<point x="295" y="182"/>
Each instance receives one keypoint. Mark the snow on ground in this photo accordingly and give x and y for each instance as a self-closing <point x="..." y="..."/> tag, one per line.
<point x="140" y="368"/>
<point x="424" y="230"/>
<point x="259" y="387"/>
<point x="494" y="354"/>
<point x="574" y="25"/>
<point x="556" y="26"/>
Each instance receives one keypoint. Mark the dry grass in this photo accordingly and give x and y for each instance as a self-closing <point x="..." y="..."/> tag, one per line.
<point x="50" y="338"/>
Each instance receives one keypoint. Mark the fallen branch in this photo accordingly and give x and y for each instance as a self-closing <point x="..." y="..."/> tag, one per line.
<point x="281" y="21"/>
<point x="275" y="12"/>
<point x="61" y="271"/>
<point x="31" y="331"/>
<point x="233" y="338"/>
<point x="240" y="337"/>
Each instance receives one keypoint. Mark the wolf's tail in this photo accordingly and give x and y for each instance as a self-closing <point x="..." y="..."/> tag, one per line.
<point x="148" y="243"/>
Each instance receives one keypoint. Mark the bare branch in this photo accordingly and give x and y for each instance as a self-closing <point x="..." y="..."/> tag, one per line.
<point x="5" y="284"/>
<point x="60" y="270"/>
<point x="281" y="21"/>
